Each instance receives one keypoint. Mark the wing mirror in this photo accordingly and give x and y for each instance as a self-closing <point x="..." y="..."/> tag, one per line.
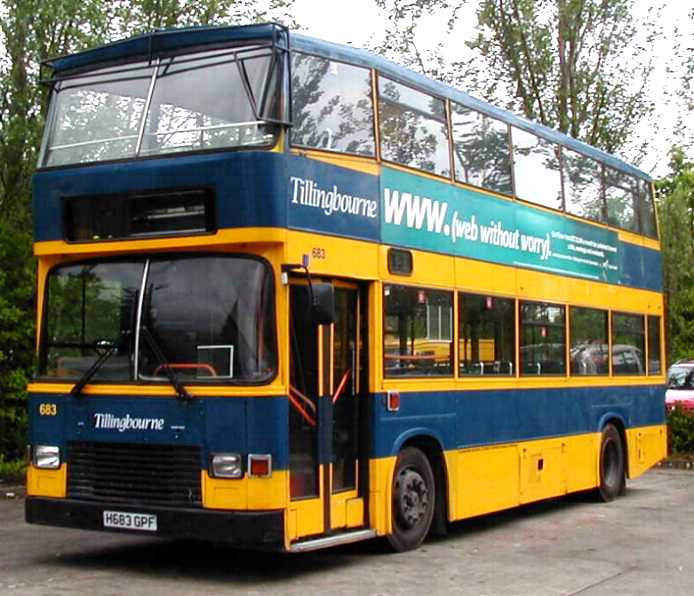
<point x="322" y="303"/>
<point x="321" y="296"/>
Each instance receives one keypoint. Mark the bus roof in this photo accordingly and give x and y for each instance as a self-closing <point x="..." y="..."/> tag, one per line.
<point x="151" y="44"/>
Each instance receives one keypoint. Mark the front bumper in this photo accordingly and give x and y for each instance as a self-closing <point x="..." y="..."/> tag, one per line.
<point x="253" y="529"/>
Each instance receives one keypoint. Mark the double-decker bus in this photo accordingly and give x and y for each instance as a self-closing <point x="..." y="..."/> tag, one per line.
<point x="292" y="295"/>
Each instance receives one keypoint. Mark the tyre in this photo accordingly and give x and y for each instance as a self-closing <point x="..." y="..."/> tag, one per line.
<point x="414" y="500"/>
<point x="612" y="473"/>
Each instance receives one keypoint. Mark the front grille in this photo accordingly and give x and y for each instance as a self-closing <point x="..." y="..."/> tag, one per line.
<point x="135" y="474"/>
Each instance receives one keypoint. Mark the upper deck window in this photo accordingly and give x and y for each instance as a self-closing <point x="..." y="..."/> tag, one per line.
<point x="332" y="106"/>
<point x="481" y="151"/>
<point x="622" y="200"/>
<point x="646" y="209"/>
<point x="536" y="169"/>
<point x="413" y="128"/>
<point x="207" y="100"/>
<point x="583" y="186"/>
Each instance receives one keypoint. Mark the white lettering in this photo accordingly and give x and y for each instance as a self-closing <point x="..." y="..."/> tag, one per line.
<point x="307" y="193"/>
<point x="127" y="422"/>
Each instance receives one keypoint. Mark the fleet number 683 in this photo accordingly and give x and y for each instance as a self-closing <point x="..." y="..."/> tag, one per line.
<point x="48" y="409"/>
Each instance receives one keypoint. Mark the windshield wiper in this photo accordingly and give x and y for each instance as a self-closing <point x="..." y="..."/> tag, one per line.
<point x="180" y="389"/>
<point x="109" y="348"/>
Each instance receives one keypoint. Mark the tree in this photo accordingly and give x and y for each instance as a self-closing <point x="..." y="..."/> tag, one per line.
<point x="568" y="64"/>
<point x="675" y="202"/>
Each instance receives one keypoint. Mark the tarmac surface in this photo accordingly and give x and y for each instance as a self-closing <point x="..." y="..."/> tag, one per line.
<point x="641" y="544"/>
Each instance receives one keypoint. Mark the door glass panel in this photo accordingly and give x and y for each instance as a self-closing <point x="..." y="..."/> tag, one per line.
<point x="344" y="396"/>
<point x="303" y="398"/>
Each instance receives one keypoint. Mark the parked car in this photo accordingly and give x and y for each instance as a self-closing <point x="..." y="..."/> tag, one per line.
<point x="680" y="385"/>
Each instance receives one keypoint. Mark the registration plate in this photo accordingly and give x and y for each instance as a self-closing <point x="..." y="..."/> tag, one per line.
<point x="130" y="521"/>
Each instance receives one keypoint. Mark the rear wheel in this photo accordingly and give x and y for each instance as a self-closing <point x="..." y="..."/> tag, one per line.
<point x="414" y="499"/>
<point x="612" y="473"/>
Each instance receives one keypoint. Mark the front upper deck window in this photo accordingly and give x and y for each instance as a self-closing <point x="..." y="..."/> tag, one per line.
<point x="207" y="100"/>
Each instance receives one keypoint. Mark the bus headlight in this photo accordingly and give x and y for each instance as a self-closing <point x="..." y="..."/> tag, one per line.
<point x="46" y="457"/>
<point x="227" y="465"/>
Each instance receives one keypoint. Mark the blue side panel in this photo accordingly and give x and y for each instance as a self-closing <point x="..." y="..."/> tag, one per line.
<point x="460" y="419"/>
<point x="244" y="183"/>
<point x="333" y="200"/>
<point x="253" y="188"/>
<point x="237" y="425"/>
<point x="640" y="267"/>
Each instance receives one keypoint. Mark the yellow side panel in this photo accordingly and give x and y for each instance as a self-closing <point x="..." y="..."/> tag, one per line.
<point x="647" y="445"/>
<point x="478" y="276"/>
<point x="359" y="164"/>
<point x="487" y="480"/>
<point x="338" y="509"/>
<point x="305" y="518"/>
<point x="330" y="255"/>
<point x="543" y="469"/>
<point x="429" y="269"/>
<point x="226" y="236"/>
<point x="47" y="483"/>
<point x="355" y="512"/>
<point x="583" y="462"/>
<point x="245" y="493"/>
<point x="380" y="493"/>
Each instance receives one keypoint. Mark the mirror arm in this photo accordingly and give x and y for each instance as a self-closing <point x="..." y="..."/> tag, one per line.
<point x="288" y="267"/>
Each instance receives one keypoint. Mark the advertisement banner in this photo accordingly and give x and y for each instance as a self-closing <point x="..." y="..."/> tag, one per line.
<point x="422" y="213"/>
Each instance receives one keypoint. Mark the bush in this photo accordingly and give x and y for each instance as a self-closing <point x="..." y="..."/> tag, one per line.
<point x="16" y="337"/>
<point x="12" y="471"/>
<point x="681" y="424"/>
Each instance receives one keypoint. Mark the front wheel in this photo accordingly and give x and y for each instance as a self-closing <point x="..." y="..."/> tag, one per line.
<point x="612" y="473"/>
<point x="414" y="498"/>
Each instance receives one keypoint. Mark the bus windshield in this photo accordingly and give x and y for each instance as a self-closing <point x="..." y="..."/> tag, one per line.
<point x="212" y="318"/>
<point x="207" y="100"/>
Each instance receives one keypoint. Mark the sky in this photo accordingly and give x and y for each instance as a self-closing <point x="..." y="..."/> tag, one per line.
<point x="361" y="23"/>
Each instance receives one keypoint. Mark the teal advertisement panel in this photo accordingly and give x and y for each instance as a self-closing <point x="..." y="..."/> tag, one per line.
<point x="421" y="213"/>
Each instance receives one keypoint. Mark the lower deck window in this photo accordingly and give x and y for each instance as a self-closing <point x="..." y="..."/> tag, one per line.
<point x="654" y="367"/>
<point x="418" y="327"/>
<point x="589" y="351"/>
<point x="543" y="339"/>
<point x="487" y="343"/>
<point x="628" y="345"/>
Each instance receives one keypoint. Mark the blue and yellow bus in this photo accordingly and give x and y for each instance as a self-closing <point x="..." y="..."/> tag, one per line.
<point x="292" y="295"/>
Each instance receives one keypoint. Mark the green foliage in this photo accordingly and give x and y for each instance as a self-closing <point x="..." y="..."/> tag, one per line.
<point x="681" y="424"/>
<point x="12" y="471"/>
<point x="16" y="335"/>
<point x="568" y="64"/>
<point x="675" y="202"/>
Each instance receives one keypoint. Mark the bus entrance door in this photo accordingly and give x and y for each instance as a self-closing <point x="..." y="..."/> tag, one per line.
<point x="325" y="382"/>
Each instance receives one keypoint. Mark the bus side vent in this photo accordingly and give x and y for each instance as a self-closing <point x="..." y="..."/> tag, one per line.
<point x="135" y="474"/>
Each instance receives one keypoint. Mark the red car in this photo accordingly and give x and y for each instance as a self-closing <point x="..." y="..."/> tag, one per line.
<point x="680" y="385"/>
